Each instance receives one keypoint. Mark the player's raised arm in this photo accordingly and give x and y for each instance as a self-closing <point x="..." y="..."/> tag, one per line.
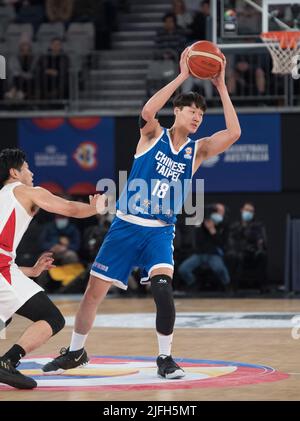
<point x="149" y="124"/>
<point x="55" y="204"/>
<point x="220" y="141"/>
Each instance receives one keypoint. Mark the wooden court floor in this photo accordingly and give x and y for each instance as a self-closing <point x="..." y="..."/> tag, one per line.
<point x="264" y="346"/>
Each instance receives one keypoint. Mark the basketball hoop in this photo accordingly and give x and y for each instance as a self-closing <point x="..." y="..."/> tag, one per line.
<point x="283" y="46"/>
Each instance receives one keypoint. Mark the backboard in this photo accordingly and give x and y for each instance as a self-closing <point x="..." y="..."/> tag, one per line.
<point x="244" y="20"/>
<point x="281" y="15"/>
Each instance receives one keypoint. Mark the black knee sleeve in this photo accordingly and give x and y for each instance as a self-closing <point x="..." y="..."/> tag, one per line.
<point x="165" y="309"/>
<point x="40" y="307"/>
<point x="56" y="320"/>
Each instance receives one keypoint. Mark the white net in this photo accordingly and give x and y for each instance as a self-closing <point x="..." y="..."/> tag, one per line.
<point x="284" y="47"/>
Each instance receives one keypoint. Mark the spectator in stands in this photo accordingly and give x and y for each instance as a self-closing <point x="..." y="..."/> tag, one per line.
<point x="30" y="11"/>
<point x="93" y="237"/>
<point x="103" y="13"/>
<point x="247" y="76"/>
<point x="21" y="69"/>
<point x="247" y="245"/>
<point x="59" y="10"/>
<point x="192" y="6"/>
<point x="199" y="23"/>
<point x="62" y="237"/>
<point x="210" y="241"/>
<point x="183" y="17"/>
<point x="170" y="36"/>
<point x="53" y="69"/>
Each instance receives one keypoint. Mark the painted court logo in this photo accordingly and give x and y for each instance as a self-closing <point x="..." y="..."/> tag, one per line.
<point x="139" y="373"/>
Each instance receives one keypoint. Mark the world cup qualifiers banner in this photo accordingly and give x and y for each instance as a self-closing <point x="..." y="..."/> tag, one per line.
<point x="253" y="163"/>
<point x="69" y="154"/>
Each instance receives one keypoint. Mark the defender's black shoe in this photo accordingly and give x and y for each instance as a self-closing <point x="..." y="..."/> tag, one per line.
<point x="168" y="368"/>
<point x="65" y="361"/>
<point x="9" y="375"/>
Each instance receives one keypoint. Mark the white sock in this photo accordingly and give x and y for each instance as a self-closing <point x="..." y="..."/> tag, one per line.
<point x="77" y="341"/>
<point x="164" y="343"/>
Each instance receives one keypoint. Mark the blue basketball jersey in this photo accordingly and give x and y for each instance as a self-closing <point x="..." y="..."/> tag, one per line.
<point x="159" y="180"/>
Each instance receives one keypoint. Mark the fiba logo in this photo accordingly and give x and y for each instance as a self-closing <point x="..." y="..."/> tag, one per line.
<point x="86" y="155"/>
<point x="2" y="67"/>
<point x="296" y="66"/>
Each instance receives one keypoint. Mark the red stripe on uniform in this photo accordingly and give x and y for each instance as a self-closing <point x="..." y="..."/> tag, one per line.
<point x="7" y="235"/>
<point x="5" y="267"/>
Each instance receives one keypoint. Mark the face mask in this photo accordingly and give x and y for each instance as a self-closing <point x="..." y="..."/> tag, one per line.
<point x="247" y="216"/>
<point x="216" y="218"/>
<point x="61" y="223"/>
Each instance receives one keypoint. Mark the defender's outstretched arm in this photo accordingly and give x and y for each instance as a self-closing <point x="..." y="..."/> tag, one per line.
<point x="42" y="198"/>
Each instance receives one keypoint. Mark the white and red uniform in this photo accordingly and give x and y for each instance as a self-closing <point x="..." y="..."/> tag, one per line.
<point x="15" y="287"/>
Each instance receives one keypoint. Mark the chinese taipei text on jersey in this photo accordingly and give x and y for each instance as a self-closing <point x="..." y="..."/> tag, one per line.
<point x="142" y="233"/>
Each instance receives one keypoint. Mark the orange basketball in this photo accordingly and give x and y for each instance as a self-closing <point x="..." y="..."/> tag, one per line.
<point x="204" y="59"/>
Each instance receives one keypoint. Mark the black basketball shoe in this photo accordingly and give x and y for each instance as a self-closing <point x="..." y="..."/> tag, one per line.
<point x="167" y="368"/>
<point x="65" y="361"/>
<point x="9" y="375"/>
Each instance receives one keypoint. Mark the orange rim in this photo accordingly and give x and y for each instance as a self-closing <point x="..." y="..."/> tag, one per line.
<point x="287" y="39"/>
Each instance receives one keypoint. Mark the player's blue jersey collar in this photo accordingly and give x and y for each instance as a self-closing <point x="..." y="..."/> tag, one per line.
<point x="171" y="143"/>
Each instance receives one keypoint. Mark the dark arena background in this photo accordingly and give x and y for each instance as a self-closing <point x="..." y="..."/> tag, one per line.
<point x="75" y="75"/>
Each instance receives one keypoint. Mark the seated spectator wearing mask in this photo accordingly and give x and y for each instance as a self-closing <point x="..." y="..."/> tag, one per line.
<point x="247" y="245"/>
<point x="62" y="237"/>
<point x="210" y="240"/>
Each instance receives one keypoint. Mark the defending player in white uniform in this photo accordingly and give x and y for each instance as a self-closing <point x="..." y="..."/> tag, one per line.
<point x="19" y="202"/>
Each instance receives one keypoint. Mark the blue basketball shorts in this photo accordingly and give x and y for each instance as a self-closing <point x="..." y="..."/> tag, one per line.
<point x="127" y="246"/>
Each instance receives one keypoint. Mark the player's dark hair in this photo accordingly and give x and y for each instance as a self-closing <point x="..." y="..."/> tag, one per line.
<point x="188" y="99"/>
<point x="10" y="158"/>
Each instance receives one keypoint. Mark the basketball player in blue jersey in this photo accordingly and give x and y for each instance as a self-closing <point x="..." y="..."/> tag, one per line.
<point x="143" y="230"/>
